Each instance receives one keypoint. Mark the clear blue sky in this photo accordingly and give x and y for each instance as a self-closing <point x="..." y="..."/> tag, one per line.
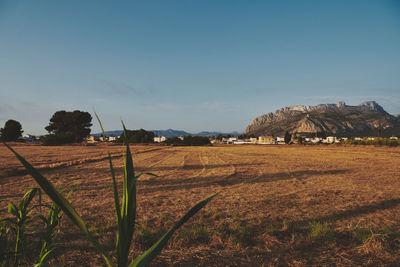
<point x="193" y="65"/>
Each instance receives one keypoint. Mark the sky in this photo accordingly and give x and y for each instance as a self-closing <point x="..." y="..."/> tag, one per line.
<point x="193" y="65"/>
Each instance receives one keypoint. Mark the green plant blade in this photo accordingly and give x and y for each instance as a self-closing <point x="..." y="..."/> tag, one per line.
<point x="101" y="125"/>
<point x="115" y="188"/>
<point x="12" y="209"/>
<point x="151" y="253"/>
<point x="62" y="202"/>
<point x="128" y="207"/>
<point x="29" y="195"/>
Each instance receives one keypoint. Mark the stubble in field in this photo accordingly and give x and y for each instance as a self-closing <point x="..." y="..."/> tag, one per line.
<point x="291" y="205"/>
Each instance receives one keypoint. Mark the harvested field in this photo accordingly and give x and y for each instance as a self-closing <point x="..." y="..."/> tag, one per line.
<point x="278" y="205"/>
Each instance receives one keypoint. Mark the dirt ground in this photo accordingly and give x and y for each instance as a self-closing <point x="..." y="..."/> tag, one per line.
<point x="278" y="205"/>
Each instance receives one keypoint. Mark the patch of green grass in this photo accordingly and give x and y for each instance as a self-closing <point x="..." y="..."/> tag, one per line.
<point x="196" y="234"/>
<point x="242" y="234"/>
<point x="224" y="229"/>
<point x="271" y="228"/>
<point x="361" y="233"/>
<point x="146" y="236"/>
<point x="321" y="231"/>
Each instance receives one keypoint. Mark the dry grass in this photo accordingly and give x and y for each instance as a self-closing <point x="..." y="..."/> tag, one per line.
<point x="279" y="205"/>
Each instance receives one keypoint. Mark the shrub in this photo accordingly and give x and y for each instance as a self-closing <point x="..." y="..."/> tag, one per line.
<point x="137" y="136"/>
<point x="189" y="141"/>
<point x="57" y="139"/>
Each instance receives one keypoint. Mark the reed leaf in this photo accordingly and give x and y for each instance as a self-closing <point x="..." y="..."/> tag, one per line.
<point x="62" y="202"/>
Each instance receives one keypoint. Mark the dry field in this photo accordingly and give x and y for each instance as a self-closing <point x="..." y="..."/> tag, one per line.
<point x="279" y="205"/>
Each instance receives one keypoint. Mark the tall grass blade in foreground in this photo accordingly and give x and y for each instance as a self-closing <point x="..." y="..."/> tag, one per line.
<point x="62" y="202"/>
<point x="126" y="211"/>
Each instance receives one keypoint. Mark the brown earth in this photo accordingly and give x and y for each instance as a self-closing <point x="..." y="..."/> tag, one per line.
<point x="278" y="205"/>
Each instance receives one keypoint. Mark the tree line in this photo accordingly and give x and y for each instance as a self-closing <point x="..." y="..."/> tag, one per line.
<point x="67" y="127"/>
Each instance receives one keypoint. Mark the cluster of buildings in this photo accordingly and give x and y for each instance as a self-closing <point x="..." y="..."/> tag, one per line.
<point x="270" y="140"/>
<point x="93" y="139"/>
<point x="261" y="140"/>
<point x="30" y="139"/>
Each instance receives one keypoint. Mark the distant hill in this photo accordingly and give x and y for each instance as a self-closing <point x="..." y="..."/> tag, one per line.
<point x="366" y="119"/>
<point x="210" y="134"/>
<point x="171" y="133"/>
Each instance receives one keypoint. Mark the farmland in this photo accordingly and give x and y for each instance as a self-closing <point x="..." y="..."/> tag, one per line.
<point x="278" y="205"/>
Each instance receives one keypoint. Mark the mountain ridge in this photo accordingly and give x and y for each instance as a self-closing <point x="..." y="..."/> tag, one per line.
<point x="171" y="133"/>
<point x="338" y="119"/>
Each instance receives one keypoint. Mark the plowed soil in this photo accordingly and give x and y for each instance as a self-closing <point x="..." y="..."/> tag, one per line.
<point x="278" y="205"/>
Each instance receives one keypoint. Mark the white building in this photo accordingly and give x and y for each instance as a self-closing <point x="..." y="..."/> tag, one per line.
<point x="316" y="140"/>
<point x="231" y="140"/>
<point x="159" y="139"/>
<point x="280" y="139"/>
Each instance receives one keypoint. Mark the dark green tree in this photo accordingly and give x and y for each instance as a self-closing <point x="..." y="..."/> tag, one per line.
<point x="12" y="131"/>
<point x="189" y="141"/>
<point x="75" y="124"/>
<point x="138" y="136"/>
<point x="288" y="137"/>
<point x="321" y="134"/>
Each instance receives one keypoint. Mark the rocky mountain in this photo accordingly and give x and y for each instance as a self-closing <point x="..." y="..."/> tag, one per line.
<point x="366" y="119"/>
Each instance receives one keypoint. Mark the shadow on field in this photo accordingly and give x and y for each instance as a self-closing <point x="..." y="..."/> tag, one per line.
<point x="198" y="182"/>
<point x="350" y="213"/>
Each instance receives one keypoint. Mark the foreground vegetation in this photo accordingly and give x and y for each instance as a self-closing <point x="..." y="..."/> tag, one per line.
<point x="125" y="211"/>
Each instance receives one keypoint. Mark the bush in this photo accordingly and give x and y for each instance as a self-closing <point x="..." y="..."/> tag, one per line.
<point x="189" y="141"/>
<point x="376" y="142"/>
<point x="138" y="136"/>
<point x="57" y="139"/>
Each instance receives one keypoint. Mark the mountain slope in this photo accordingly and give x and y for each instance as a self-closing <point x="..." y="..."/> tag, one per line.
<point x="366" y="119"/>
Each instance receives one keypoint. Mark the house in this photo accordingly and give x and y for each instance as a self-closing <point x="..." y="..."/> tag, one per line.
<point x="394" y="138"/>
<point x="159" y="139"/>
<point x="91" y="139"/>
<point x="231" y="140"/>
<point x="253" y="140"/>
<point x="30" y="139"/>
<point x="330" y="140"/>
<point x="316" y="140"/>
<point x="266" y="140"/>
<point x="112" y="138"/>
<point x="280" y="139"/>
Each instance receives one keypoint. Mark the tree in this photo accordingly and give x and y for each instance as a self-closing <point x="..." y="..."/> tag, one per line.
<point x="138" y="136"/>
<point x="189" y="141"/>
<point x="288" y="137"/>
<point x="321" y="134"/>
<point x="75" y="124"/>
<point x="12" y="131"/>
